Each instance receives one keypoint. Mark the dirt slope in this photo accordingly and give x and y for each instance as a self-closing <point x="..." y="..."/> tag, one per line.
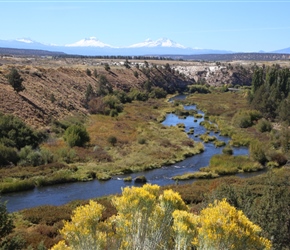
<point x="55" y="88"/>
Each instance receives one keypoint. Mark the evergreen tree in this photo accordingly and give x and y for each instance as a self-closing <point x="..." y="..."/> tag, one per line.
<point x="15" y="80"/>
<point x="89" y="93"/>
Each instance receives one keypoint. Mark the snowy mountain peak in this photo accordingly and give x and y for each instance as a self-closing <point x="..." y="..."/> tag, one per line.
<point x="89" y="42"/>
<point x="24" y="40"/>
<point x="161" y="42"/>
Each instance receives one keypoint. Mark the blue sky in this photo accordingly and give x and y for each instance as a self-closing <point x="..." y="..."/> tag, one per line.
<point x="241" y="26"/>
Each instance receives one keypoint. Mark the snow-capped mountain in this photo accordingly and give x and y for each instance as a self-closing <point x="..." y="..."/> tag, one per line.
<point x="94" y="47"/>
<point x="89" y="42"/>
<point x="22" y="43"/>
<point x="24" y="40"/>
<point x="162" y="42"/>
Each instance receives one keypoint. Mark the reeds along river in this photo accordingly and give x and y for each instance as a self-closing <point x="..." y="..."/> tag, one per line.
<point x="61" y="194"/>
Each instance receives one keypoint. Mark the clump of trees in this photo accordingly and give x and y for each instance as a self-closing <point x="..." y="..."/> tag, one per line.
<point x="197" y="88"/>
<point x="149" y="219"/>
<point x="21" y="145"/>
<point x="270" y="92"/>
<point x="15" y="135"/>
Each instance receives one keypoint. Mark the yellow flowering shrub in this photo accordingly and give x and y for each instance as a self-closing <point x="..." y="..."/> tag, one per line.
<point x="222" y="227"/>
<point x="148" y="219"/>
<point x="83" y="231"/>
<point x="185" y="229"/>
<point x="144" y="217"/>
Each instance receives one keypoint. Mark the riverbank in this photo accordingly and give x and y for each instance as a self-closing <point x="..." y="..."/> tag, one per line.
<point x="142" y="143"/>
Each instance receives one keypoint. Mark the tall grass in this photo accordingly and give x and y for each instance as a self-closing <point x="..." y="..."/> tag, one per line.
<point x="229" y="164"/>
<point x="16" y="185"/>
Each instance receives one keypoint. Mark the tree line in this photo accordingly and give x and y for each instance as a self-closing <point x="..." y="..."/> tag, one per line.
<point x="270" y="92"/>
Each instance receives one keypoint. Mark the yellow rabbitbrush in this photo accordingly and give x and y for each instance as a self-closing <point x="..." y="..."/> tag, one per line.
<point x="148" y="219"/>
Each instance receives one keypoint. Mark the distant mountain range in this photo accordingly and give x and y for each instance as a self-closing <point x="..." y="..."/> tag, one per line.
<point x="93" y="47"/>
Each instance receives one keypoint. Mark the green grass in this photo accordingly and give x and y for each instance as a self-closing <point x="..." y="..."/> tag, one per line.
<point x="15" y="185"/>
<point x="228" y="164"/>
<point x="218" y="143"/>
<point x="195" y="175"/>
<point x="207" y="138"/>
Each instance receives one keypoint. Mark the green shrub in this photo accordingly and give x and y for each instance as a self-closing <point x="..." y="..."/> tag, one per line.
<point x="15" y="80"/>
<point x="30" y="157"/>
<point x="198" y="89"/>
<point x="277" y="156"/>
<point x="141" y="140"/>
<point x="227" y="150"/>
<point x="264" y="126"/>
<point x="245" y="119"/>
<point x="138" y="95"/>
<point x="67" y="155"/>
<point x="107" y="67"/>
<point x="113" y="113"/>
<point x="218" y="143"/>
<point x="6" y="221"/>
<point x="272" y="164"/>
<point x="242" y="120"/>
<point x="7" y="155"/>
<point x="157" y="92"/>
<point x="76" y="135"/>
<point x="257" y="151"/>
<point x="112" y="140"/>
<point x="207" y="138"/>
<point x="89" y="72"/>
<point x="47" y="156"/>
<point x="209" y="126"/>
<point x="15" y="133"/>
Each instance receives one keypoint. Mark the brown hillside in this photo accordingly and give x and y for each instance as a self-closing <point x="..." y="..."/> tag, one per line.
<point x="56" y="88"/>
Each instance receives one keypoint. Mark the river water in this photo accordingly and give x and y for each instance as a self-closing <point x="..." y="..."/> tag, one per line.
<point x="64" y="193"/>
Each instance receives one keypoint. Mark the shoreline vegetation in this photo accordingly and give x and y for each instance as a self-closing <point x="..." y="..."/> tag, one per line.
<point x="142" y="143"/>
<point x="231" y="115"/>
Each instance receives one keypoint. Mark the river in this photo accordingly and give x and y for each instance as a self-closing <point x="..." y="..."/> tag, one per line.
<point x="64" y="193"/>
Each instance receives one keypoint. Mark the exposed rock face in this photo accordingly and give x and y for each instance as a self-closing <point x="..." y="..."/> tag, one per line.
<point x="216" y="74"/>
